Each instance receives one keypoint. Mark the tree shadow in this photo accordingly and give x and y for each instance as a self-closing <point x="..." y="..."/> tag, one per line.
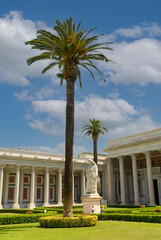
<point x="16" y="228"/>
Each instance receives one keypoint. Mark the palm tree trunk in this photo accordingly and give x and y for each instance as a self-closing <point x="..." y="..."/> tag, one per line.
<point x="95" y="149"/>
<point x="69" y="135"/>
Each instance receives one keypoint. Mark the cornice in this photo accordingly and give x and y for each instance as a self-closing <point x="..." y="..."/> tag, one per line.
<point x="133" y="144"/>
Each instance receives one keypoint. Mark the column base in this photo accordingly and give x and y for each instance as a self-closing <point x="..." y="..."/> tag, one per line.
<point x="46" y="204"/>
<point x="152" y="204"/>
<point x="123" y="203"/>
<point x="1" y="206"/>
<point x="31" y="205"/>
<point x="60" y="204"/>
<point x="16" y="206"/>
<point x="111" y="203"/>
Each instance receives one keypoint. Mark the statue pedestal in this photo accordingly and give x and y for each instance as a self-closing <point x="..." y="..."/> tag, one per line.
<point x="90" y="200"/>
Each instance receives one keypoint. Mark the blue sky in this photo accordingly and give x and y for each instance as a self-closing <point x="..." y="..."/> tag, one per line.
<point x="33" y="105"/>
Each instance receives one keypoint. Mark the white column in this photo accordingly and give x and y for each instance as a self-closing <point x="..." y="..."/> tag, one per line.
<point x="17" y="187"/>
<point x="122" y="181"/>
<point x="46" y="190"/>
<point x="6" y="176"/>
<point x="1" y="185"/>
<point x="60" y="186"/>
<point x="105" y="183"/>
<point x="32" y="190"/>
<point x="83" y="182"/>
<point x="110" y="183"/>
<point x="73" y="186"/>
<point x="21" y="187"/>
<point x="150" y="179"/>
<point x="135" y="180"/>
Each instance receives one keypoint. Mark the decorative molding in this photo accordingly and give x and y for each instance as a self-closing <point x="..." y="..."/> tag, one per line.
<point x="134" y="143"/>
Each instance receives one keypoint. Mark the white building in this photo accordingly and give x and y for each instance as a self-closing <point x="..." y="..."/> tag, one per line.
<point x="129" y="173"/>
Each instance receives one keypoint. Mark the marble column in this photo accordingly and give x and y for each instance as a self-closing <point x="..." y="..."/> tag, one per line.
<point x="6" y="177"/>
<point x="73" y="186"/>
<point x="46" y="190"/>
<point x="135" y="180"/>
<point x="83" y="182"/>
<point x="110" y="182"/>
<point x="122" y="181"/>
<point x="105" y="180"/>
<point x="60" y="186"/>
<point x="21" y="187"/>
<point x="17" y="188"/>
<point x="32" y="190"/>
<point x="1" y="184"/>
<point x="150" y="179"/>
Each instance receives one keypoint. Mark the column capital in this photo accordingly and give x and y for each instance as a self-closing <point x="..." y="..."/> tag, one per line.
<point x="109" y="160"/>
<point x="60" y="170"/>
<point x="18" y="167"/>
<point x="33" y="168"/>
<point x="121" y="159"/>
<point x="147" y="153"/>
<point x="47" y="169"/>
<point x="133" y="156"/>
<point x="2" y="166"/>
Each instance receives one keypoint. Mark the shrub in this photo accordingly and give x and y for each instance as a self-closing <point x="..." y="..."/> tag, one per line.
<point x="131" y="217"/>
<point x="66" y="222"/>
<point x="21" y="218"/>
<point x="13" y="210"/>
<point x="128" y="211"/>
<point x="124" y="206"/>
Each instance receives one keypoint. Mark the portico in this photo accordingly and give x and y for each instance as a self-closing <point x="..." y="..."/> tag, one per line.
<point x="136" y="159"/>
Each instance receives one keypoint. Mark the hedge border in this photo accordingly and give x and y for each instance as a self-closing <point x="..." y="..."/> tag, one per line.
<point x="130" y="217"/>
<point x="21" y="218"/>
<point x="67" y="222"/>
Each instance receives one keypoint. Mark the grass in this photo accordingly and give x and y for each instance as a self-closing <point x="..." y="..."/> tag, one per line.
<point x="112" y="230"/>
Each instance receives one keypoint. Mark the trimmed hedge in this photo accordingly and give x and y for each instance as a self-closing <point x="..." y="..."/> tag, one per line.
<point x="67" y="222"/>
<point x="13" y="210"/>
<point x="21" y="218"/>
<point x="128" y="211"/>
<point x="131" y="217"/>
<point x="123" y="206"/>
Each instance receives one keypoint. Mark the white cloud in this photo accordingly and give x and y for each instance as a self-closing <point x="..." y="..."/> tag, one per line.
<point x="120" y="117"/>
<point x="47" y="126"/>
<point x="44" y="93"/>
<point x="14" y="32"/>
<point x="143" y="30"/>
<point x="137" y="62"/>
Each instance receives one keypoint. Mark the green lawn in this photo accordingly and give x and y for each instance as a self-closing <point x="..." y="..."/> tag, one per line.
<point x="111" y="230"/>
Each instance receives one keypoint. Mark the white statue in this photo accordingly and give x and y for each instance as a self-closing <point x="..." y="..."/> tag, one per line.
<point x="92" y="176"/>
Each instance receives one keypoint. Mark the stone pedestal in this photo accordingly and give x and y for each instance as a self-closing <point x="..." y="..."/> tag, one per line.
<point x="90" y="200"/>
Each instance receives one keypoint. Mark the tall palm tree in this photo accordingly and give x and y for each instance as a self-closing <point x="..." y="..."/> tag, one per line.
<point x="95" y="128"/>
<point x="70" y="47"/>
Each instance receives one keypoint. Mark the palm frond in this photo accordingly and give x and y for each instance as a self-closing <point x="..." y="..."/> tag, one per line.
<point x="49" y="67"/>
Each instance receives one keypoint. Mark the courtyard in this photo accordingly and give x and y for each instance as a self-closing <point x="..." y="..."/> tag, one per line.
<point x="112" y="230"/>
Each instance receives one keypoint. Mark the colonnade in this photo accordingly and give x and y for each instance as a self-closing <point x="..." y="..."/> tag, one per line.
<point x="17" y="201"/>
<point x="110" y="180"/>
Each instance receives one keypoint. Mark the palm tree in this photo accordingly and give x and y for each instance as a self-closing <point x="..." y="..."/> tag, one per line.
<point x="95" y="129"/>
<point x="70" y="48"/>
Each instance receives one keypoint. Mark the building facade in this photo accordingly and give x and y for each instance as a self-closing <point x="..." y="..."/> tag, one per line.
<point x="129" y="173"/>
